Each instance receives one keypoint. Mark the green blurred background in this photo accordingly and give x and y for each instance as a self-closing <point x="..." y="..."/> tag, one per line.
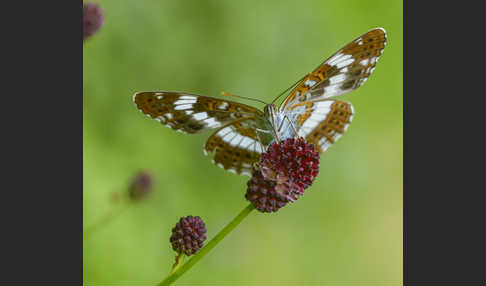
<point x="346" y="229"/>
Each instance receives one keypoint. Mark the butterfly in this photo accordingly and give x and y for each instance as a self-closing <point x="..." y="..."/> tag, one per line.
<point x="243" y="132"/>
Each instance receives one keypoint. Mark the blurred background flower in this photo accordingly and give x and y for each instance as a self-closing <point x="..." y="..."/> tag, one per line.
<point x="93" y="18"/>
<point x="347" y="228"/>
<point x="141" y="186"/>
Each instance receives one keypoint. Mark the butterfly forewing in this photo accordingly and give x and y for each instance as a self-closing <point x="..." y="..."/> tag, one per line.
<point x="346" y="70"/>
<point x="191" y="113"/>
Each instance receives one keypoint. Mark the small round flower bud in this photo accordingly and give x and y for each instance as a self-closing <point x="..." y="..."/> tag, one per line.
<point x="141" y="186"/>
<point x="188" y="235"/>
<point x="93" y="18"/>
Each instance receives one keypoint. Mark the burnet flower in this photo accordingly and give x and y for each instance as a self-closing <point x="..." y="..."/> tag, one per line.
<point x="141" y="186"/>
<point x="283" y="173"/>
<point x="188" y="235"/>
<point x="93" y="19"/>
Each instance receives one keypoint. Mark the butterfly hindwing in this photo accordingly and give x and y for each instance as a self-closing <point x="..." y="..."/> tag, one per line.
<point x="344" y="71"/>
<point x="322" y="122"/>
<point x="236" y="146"/>
<point x="191" y="113"/>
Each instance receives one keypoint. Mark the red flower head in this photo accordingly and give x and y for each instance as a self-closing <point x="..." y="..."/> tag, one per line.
<point x="263" y="195"/>
<point x="283" y="173"/>
<point x="188" y="235"/>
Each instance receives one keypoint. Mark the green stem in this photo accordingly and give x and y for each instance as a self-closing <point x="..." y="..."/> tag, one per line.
<point x="178" y="261"/>
<point x="105" y="220"/>
<point x="173" y="276"/>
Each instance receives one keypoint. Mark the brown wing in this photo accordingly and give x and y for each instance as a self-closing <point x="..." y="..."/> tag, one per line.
<point x="322" y="122"/>
<point x="236" y="146"/>
<point x="191" y="113"/>
<point x="344" y="71"/>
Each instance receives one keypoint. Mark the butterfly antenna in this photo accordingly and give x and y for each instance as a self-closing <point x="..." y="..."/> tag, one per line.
<point x="290" y="87"/>
<point x="254" y="99"/>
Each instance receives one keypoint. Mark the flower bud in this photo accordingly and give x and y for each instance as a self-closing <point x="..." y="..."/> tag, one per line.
<point x="188" y="235"/>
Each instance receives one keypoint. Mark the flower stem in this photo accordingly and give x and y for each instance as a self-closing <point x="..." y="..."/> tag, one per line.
<point x="173" y="276"/>
<point x="177" y="263"/>
<point x="109" y="217"/>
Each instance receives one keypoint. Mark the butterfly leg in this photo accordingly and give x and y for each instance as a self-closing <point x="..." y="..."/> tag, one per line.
<point x="258" y="136"/>
<point x="260" y="141"/>
<point x="276" y="134"/>
<point x="291" y="124"/>
<point x="262" y="130"/>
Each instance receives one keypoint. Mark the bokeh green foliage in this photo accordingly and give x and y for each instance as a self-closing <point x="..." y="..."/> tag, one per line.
<point x="346" y="229"/>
